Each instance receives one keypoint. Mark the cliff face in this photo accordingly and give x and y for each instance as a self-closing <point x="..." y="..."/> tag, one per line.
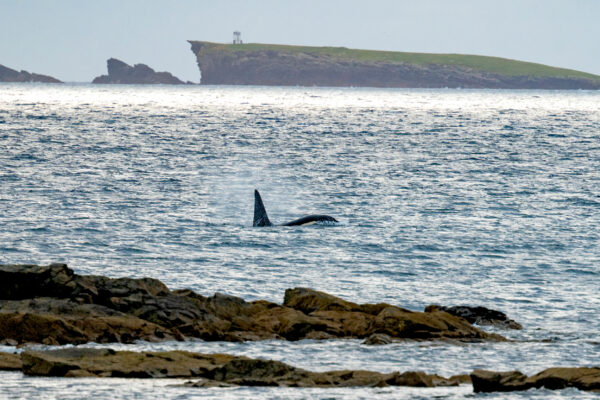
<point x="226" y="64"/>
<point x="120" y="72"/>
<point x="11" y="75"/>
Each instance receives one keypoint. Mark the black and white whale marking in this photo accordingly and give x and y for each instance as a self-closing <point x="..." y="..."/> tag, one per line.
<point x="262" y="219"/>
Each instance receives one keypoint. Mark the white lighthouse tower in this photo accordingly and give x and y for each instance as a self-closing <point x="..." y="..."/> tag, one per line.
<point x="237" y="37"/>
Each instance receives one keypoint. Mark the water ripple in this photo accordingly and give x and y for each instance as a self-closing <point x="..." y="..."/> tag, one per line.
<point x="444" y="196"/>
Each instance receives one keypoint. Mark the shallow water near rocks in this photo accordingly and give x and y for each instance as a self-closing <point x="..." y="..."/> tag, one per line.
<point x="445" y="197"/>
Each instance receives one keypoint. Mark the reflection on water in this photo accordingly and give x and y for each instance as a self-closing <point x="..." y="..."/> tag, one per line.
<point x="444" y="196"/>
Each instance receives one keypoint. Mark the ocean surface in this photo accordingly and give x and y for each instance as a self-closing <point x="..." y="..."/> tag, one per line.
<point x="452" y="197"/>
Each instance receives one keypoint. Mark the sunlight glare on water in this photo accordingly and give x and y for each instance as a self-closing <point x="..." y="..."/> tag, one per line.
<point x="451" y="197"/>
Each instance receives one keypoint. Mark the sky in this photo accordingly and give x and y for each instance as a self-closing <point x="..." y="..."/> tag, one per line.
<point x="72" y="39"/>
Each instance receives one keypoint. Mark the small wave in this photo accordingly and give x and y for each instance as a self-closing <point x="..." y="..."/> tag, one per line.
<point x="9" y="250"/>
<point x="88" y="229"/>
<point x="327" y="223"/>
<point x="132" y="250"/>
<point x="31" y="157"/>
<point x="39" y="229"/>
<point x="426" y="247"/>
<point x="579" y="271"/>
<point x="9" y="178"/>
<point x="241" y="244"/>
<point x="579" y="201"/>
<point x="434" y="130"/>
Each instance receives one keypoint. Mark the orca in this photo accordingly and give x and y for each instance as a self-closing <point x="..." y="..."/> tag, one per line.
<point x="262" y="219"/>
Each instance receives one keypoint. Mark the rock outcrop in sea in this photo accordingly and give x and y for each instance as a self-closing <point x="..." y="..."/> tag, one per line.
<point x="281" y="65"/>
<point x="479" y="315"/>
<point x="220" y="370"/>
<point x="122" y="73"/>
<point x="211" y="369"/>
<point x="11" y="75"/>
<point x="53" y="305"/>
<point x="583" y="378"/>
<point x="10" y="362"/>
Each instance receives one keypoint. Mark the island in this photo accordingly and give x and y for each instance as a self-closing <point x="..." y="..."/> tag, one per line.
<point x="285" y="65"/>
<point x="123" y="73"/>
<point x="11" y="75"/>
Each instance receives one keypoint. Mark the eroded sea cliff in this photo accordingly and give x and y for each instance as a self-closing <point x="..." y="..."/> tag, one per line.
<point x="280" y="65"/>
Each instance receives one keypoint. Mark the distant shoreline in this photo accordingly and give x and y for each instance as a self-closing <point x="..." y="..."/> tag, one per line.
<point x="281" y="65"/>
<point x="236" y="86"/>
<point x="257" y="64"/>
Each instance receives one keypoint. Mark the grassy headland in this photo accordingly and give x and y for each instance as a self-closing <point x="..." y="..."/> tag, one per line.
<point x="497" y="65"/>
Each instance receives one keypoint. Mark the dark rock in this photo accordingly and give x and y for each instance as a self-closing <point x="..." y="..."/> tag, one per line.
<point x="39" y="328"/>
<point x="62" y="321"/>
<point x="206" y="383"/>
<point x="478" y="315"/>
<point x="460" y="379"/>
<point x="308" y="300"/>
<point x="53" y="305"/>
<point x="558" y="378"/>
<point x="11" y="75"/>
<point x="583" y="378"/>
<point x="420" y="379"/>
<point x="30" y="281"/>
<point x="346" y="319"/>
<point x="217" y="370"/>
<point x="120" y="72"/>
<point x="240" y="371"/>
<point x="378" y="339"/>
<point x="490" y="381"/>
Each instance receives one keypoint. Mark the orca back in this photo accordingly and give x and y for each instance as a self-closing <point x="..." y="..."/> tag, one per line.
<point x="311" y="219"/>
<point x="260" y="214"/>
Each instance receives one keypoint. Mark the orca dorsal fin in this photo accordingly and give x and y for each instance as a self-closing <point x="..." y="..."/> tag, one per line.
<point x="260" y="214"/>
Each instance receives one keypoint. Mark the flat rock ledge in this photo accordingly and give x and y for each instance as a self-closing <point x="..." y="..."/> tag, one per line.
<point x="52" y="305"/>
<point x="10" y="362"/>
<point x="211" y="369"/>
<point x="218" y="370"/>
<point x="582" y="378"/>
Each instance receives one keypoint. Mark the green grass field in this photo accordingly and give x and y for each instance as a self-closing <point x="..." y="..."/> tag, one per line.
<point x="496" y="65"/>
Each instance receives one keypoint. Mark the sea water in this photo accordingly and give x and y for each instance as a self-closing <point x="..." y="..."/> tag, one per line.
<point x="451" y="197"/>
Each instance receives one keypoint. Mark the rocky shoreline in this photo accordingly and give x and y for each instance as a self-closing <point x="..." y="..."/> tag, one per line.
<point x="223" y="370"/>
<point x="212" y="369"/>
<point x="584" y="378"/>
<point x="53" y="305"/>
